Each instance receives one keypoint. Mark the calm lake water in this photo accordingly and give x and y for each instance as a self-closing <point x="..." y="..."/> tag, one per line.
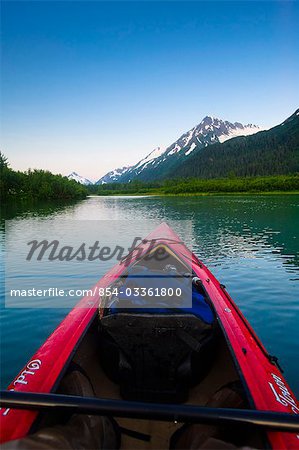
<point x="251" y="243"/>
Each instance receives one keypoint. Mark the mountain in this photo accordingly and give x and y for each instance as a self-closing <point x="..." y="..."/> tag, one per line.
<point x="160" y="162"/>
<point x="113" y="176"/>
<point x="271" y="152"/>
<point x="75" y="176"/>
<point x="217" y="148"/>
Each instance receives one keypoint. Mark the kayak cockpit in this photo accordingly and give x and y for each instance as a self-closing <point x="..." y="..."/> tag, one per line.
<point x="219" y="386"/>
<point x="155" y="357"/>
<point x="158" y="330"/>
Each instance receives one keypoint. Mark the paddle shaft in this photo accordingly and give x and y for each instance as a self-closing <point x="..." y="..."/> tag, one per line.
<point x="152" y="411"/>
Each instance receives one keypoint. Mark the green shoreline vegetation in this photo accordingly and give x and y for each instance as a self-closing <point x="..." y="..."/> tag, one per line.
<point x="37" y="185"/>
<point x="191" y="186"/>
<point x="43" y="185"/>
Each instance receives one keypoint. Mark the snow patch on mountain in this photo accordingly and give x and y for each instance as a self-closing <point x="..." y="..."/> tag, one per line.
<point x="113" y="175"/>
<point x="82" y="180"/>
<point x="152" y="155"/>
<point x="192" y="147"/>
<point x="246" y="130"/>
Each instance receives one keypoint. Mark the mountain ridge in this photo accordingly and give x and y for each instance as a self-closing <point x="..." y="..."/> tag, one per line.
<point x="216" y="148"/>
<point x="209" y="131"/>
<point x="113" y="175"/>
<point x="82" y="180"/>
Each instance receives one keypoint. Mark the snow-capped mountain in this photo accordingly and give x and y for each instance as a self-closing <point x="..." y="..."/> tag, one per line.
<point x="113" y="176"/>
<point x="210" y="130"/>
<point x="75" y="176"/>
<point x="271" y="152"/>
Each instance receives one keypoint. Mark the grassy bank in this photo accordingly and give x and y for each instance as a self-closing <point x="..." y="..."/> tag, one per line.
<point x="190" y="186"/>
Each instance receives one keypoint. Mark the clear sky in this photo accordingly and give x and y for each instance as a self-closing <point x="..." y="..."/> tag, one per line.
<point x="90" y="86"/>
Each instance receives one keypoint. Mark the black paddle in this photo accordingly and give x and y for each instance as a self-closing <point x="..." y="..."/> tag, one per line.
<point x="152" y="411"/>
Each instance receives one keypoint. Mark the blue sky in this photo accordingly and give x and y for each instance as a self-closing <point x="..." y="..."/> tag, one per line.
<point x="90" y="86"/>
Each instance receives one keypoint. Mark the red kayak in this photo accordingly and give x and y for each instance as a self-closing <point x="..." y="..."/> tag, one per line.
<point x="160" y="366"/>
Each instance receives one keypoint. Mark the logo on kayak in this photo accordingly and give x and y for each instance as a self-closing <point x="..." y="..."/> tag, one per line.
<point x="31" y="368"/>
<point x="282" y="394"/>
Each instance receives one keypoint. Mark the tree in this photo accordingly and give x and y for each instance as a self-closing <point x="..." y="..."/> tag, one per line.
<point x="3" y="161"/>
